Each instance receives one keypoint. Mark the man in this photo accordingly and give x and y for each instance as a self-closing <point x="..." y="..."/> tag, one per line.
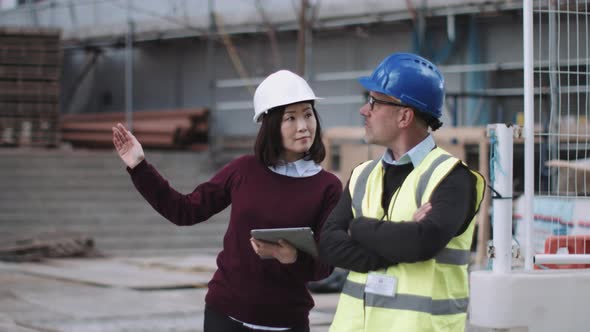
<point x="404" y="224"/>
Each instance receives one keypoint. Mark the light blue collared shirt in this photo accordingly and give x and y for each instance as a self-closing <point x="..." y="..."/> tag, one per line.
<point x="414" y="156"/>
<point x="297" y="169"/>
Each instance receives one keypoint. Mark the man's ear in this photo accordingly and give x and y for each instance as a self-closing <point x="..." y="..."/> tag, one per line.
<point x="407" y="116"/>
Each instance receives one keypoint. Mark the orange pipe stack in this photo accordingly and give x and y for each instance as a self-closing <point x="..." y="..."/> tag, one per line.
<point x="166" y="129"/>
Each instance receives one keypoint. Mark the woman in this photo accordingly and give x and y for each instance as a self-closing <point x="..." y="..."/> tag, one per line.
<point x="281" y="186"/>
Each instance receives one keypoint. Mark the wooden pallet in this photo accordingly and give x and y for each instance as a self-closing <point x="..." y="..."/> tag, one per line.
<point x="30" y="66"/>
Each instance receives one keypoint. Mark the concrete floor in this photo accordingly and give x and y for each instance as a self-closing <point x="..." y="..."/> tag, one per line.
<point x="119" y="294"/>
<point x="116" y="295"/>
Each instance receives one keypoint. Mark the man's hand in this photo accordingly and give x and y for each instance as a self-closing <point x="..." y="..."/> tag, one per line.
<point x="284" y="252"/>
<point x="422" y="212"/>
<point x="127" y="146"/>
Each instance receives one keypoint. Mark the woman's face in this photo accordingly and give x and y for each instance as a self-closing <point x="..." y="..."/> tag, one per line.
<point x="298" y="130"/>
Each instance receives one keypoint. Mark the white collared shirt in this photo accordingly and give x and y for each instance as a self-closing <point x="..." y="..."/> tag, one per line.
<point x="297" y="169"/>
<point x="414" y="156"/>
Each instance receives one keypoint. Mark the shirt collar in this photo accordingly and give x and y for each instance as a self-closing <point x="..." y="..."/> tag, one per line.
<point x="414" y="156"/>
<point x="298" y="169"/>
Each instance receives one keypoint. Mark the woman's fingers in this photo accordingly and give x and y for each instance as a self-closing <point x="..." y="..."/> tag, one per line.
<point x="124" y="132"/>
<point x="117" y="139"/>
<point x="287" y="254"/>
<point x="285" y="244"/>
<point x="117" y="134"/>
<point x="254" y="245"/>
<point x="121" y="132"/>
<point x="264" y="249"/>
<point x="284" y="252"/>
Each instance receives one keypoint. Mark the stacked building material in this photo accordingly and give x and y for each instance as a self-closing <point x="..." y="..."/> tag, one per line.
<point x="47" y="245"/>
<point x="172" y="129"/>
<point x="30" y="62"/>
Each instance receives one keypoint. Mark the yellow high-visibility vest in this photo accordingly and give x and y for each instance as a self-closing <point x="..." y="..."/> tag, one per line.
<point x="430" y="295"/>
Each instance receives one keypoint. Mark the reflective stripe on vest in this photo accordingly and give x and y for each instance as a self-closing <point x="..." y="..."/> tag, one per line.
<point x="423" y="182"/>
<point x="406" y="301"/>
<point x="359" y="188"/>
<point x="453" y="256"/>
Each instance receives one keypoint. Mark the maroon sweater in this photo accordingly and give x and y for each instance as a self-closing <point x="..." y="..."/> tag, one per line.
<point x="250" y="289"/>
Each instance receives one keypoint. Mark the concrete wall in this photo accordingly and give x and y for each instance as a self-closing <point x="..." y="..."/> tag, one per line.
<point x="90" y="193"/>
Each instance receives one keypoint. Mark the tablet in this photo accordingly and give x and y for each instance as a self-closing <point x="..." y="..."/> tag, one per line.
<point x="300" y="237"/>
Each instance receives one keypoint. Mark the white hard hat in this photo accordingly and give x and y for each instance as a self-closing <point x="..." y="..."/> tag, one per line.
<point x="280" y="88"/>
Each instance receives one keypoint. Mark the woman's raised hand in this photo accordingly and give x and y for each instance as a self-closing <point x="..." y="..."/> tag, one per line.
<point x="127" y="146"/>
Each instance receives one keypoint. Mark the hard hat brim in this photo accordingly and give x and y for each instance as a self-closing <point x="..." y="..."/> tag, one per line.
<point x="258" y="117"/>
<point x="371" y="85"/>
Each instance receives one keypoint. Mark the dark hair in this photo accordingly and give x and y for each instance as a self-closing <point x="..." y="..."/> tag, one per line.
<point x="269" y="142"/>
<point x="430" y="120"/>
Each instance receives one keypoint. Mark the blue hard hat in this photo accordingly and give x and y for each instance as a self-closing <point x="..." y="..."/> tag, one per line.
<point x="413" y="80"/>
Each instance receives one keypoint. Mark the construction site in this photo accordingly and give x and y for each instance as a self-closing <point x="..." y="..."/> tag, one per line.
<point x="82" y="251"/>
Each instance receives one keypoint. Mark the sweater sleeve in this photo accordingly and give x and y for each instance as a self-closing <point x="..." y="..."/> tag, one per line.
<point x="337" y="248"/>
<point x="407" y="242"/>
<point x="308" y="268"/>
<point x="206" y="200"/>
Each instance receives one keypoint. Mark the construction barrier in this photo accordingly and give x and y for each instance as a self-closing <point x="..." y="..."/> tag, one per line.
<point x="566" y="244"/>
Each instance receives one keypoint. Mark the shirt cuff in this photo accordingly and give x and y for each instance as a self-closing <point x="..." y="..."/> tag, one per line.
<point x="141" y="166"/>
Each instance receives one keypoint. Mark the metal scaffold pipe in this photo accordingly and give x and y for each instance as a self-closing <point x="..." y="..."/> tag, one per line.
<point x="528" y="132"/>
<point x="561" y="259"/>
<point x="129" y="69"/>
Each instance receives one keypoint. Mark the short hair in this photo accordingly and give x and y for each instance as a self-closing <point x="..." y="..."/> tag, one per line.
<point x="430" y="120"/>
<point x="269" y="141"/>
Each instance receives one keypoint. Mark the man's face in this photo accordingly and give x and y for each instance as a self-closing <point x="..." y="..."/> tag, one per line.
<point x="381" y="119"/>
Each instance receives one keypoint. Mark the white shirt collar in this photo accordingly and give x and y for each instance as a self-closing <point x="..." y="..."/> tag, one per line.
<point x="297" y="169"/>
<point x="414" y="156"/>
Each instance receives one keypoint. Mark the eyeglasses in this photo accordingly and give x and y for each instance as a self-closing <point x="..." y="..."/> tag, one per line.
<point x="372" y="101"/>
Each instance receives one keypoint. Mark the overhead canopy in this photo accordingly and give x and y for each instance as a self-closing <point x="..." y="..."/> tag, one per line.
<point x="100" y="19"/>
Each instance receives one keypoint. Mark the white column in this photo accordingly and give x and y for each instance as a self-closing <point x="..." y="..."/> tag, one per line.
<point x="502" y="205"/>
<point x="528" y="132"/>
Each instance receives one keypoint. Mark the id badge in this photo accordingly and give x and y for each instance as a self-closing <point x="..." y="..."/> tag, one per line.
<point x="381" y="284"/>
